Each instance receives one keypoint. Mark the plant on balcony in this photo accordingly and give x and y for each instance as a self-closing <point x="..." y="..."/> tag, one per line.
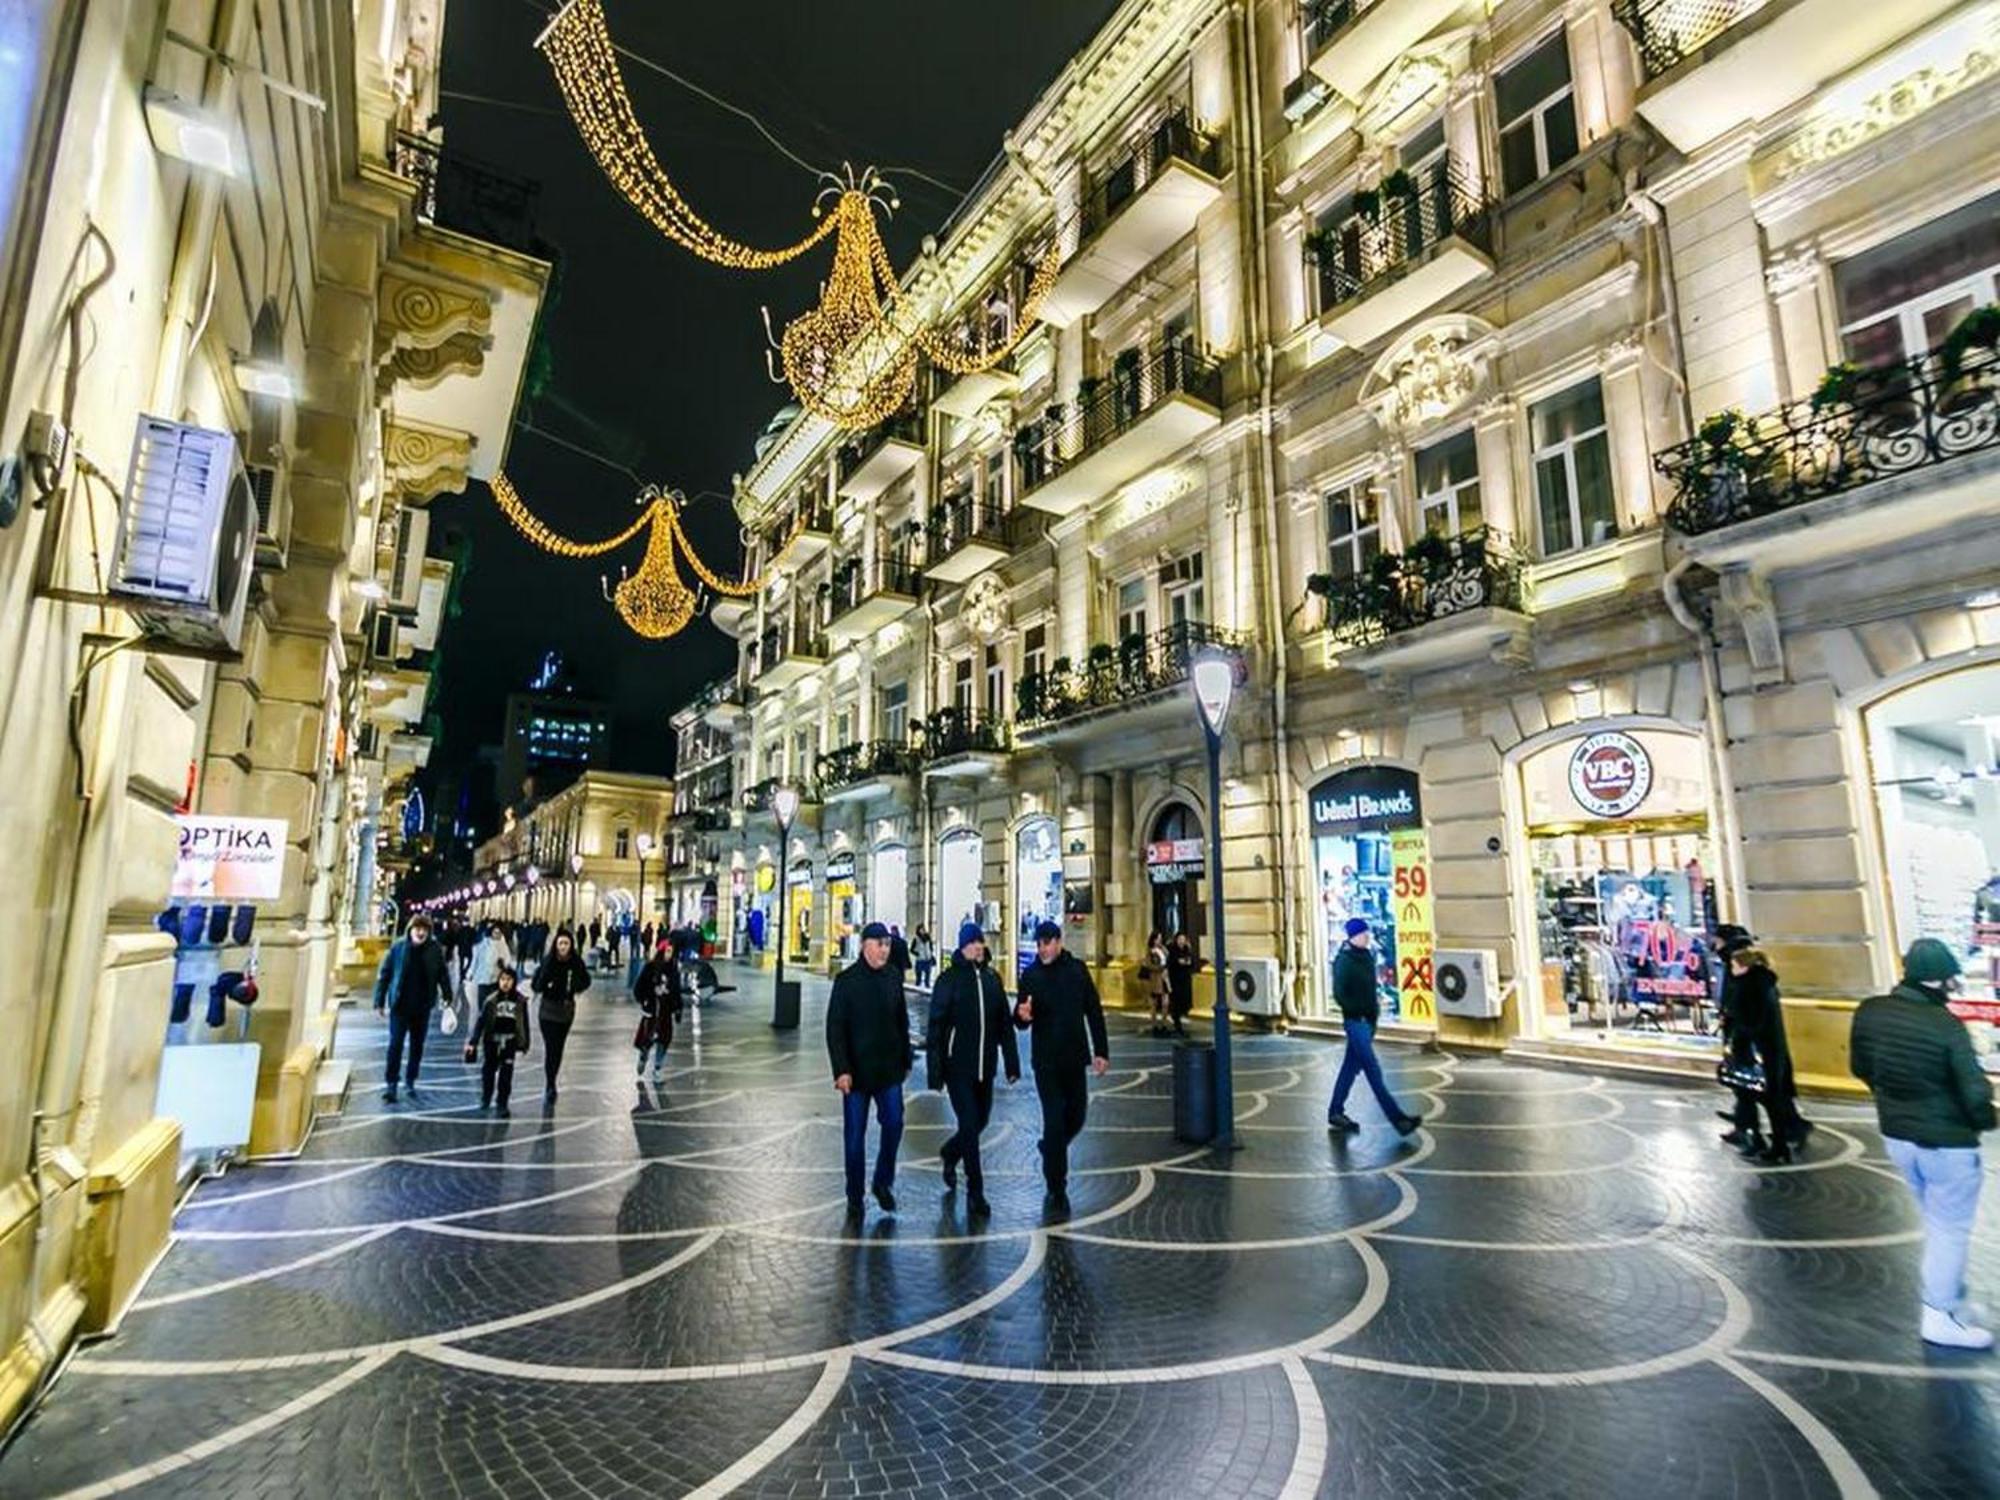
<point x="1322" y="245"/>
<point x="1399" y="184"/>
<point x="1101" y="656"/>
<point x="1368" y="204"/>
<point x="1978" y="329"/>
<point x="1836" y="386"/>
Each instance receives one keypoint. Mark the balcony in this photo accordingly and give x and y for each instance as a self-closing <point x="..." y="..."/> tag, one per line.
<point x="722" y="704"/>
<point x="1134" y="213"/>
<point x="862" y="599"/>
<point x="1712" y="65"/>
<point x="877" y="459"/>
<point x="959" y="744"/>
<point x="1444" y="601"/>
<point x="1876" y="458"/>
<point x="466" y="196"/>
<point x="967" y="537"/>
<point x="800" y="540"/>
<point x="865" y="772"/>
<point x="1137" y="681"/>
<point x="709" y="819"/>
<point x="968" y="395"/>
<point x="783" y="658"/>
<point x="1351" y="43"/>
<point x="1433" y="237"/>
<point x="1137" y="417"/>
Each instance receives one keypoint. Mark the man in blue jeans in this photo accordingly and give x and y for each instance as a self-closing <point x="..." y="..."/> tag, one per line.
<point x="1357" y="992"/>
<point x="868" y="1045"/>
<point x="413" y="975"/>
<point x="1933" y="1102"/>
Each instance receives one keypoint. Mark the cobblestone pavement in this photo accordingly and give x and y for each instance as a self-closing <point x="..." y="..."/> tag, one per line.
<point x="1562" y="1285"/>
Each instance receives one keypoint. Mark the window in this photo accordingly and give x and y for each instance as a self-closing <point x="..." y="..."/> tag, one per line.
<point x="1537" y="114"/>
<point x="996" y="684"/>
<point x="1132" y="612"/>
<point x="1902" y="298"/>
<point x="843" y="727"/>
<point x="1342" y="263"/>
<point x="1353" y="530"/>
<point x="996" y="481"/>
<point x="621" y="844"/>
<point x="1425" y="215"/>
<point x="1034" y="651"/>
<point x="896" y="712"/>
<point x="961" y="684"/>
<point x="1182" y="589"/>
<point x="1448" y="486"/>
<point x="1573" y="470"/>
<point x="802" y="755"/>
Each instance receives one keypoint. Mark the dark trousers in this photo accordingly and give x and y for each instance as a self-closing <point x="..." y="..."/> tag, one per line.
<point x="1065" y="1095"/>
<point x="496" y="1074"/>
<point x="888" y="1104"/>
<point x="555" y="1036"/>
<point x="1779" y="1107"/>
<point x="972" y="1105"/>
<point x="402" y="1028"/>
<point x="1360" y="1060"/>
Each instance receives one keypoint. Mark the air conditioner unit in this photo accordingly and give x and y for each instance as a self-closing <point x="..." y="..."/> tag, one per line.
<point x="187" y="535"/>
<point x="406" y="578"/>
<point x="1254" y="987"/>
<point x="384" y="631"/>
<point x="274" y="514"/>
<point x="1468" y="983"/>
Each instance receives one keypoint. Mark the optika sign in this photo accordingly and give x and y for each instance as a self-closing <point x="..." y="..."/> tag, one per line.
<point x="1610" y="774"/>
<point x="230" y="859"/>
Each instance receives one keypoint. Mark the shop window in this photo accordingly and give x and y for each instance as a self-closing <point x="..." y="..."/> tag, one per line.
<point x="1537" y="114"/>
<point x="1902" y="298"/>
<point x="1448" y="486"/>
<point x="1183" y="591"/>
<point x="1371" y="859"/>
<point x="1038" y="884"/>
<point x="1132" y="610"/>
<point x="896" y="712"/>
<point x="961" y="864"/>
<point x="1573" y="470"/>
<point x="1176" y="858"/>
<point x="1353" y="530"/>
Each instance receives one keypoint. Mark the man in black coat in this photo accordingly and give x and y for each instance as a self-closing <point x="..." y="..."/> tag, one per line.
<point x="868" y="1045"/>
<point x="968" y="1038"/>
<point x="1059" y="1005"/>
<point x="413" y="977"/>
<point x="1357" y="991"/>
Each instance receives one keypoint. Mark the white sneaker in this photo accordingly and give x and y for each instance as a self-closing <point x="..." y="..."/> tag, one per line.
<point x="659" y="1076"/>
<point x="1941" y="1327"/>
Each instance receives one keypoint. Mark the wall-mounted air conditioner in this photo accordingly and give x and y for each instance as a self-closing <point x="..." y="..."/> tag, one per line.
<point x="1254" y="987"/>
<point x="384" y="632"/>
<point x="187" y="536"/>
<point x="1468" y="983"/>
<point x="272" y="491"/>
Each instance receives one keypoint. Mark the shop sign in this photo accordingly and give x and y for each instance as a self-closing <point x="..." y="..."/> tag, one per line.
<point x="1668" y="965"/>
<point x="230" y="859"/>
<point x="1416" y="937"/>
<point x="767" y="880"/>
<point x="800" y="875"/>
<point x="1610" y="774"/>
<point x="1366" y="799"/>
<point x="840" y="867"/>
<point x="1174" y="860"/>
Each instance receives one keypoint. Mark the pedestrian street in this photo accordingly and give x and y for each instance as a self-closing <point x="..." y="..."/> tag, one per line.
<point x="1561" y="1285"/>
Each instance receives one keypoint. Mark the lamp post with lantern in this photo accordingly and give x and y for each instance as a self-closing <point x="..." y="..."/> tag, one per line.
<point x="784" y="997"/>
<point x="1213" y="673"/>
<point x="575" y="885"/>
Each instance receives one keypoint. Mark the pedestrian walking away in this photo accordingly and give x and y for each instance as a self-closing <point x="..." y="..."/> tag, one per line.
<point x="1060" y="1010"/>
<point x="923" y="954"/>
<point x="414" y="976"/>
<point x="968" y="1041"/>
<point x="1357" y="990"/>
<point x="558" y="982"/>
<point x="868" y="1048"/>
<point x="899" y="953"/>
<point x="1181" y="966"/>
<point x="658" y="991"/>
<point x="499" y="1035"/>
<point x="1753" y="1029"/>
<point x="1933" y="1103"/>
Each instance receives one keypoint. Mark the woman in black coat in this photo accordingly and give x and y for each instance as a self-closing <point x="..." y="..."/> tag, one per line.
<point x="1181" y="967"/>
<point x="560" y="979"/>
<point x="1753" y="1020"/>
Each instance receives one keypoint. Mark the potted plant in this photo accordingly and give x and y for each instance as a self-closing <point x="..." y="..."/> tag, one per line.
<point x="1978" y="329"/>
<point x="1101" y="656"/>
<point x="1368" y="204"/>
<point x="1836" y="386"/>
<point x="1322" y="245"/>
<point x="1399" y="184"/>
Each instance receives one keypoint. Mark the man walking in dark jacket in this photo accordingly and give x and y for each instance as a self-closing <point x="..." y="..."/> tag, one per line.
<point x="1357" y="991"/>
<point x="868" y="1046"/>
<point x="413" y="977"/>
<point x="1933" y="1102"/>
<point x="1059" y="1006"/>
<point x="968" y="1037"/>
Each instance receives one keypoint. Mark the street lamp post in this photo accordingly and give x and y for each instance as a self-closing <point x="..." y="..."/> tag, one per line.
<point x="784" y="998"/>
<point x="1214" y="676"/>
<point x="575" y="884"/>
<point x="534" y="877"/>
<point x="646" y="848"/>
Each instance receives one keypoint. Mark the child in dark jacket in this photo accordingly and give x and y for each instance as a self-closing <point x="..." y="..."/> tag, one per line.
<point x="503" y="1029"/>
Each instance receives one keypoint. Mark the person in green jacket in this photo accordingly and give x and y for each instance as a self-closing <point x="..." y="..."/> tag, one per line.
<point x="1933" y="1102"/>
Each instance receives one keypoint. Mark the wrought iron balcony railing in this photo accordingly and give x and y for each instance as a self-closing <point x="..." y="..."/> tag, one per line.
<point x="1326" y="19"/>
<point x="961" y="731"/>
<point x="1438" y="577"/>
<point x="1111" y="406"/>
<point x="1669" y="31"/>
<point x="465" y="195"/>
<point x="779" y="644"/>
<point x="1409" y="220"/>
<point x="1173" y="139"/>
<point x="709" y="819"/>
<point x="906" y="427"/>
<point x="854" y="583"/>
<point x="849" y="764"/>
<point x="1864" y="425"/>
<point x="1138" y="667"/>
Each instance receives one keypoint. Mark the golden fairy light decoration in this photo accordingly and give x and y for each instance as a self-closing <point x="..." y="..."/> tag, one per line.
<point x="653" y="601"/>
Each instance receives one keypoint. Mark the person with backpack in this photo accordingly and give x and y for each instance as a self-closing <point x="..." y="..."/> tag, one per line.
<point x="658" y="991"/>
<point x="558" y="982"/>
<point x="969" y="1037"/>
<point x="501" y="1032"/>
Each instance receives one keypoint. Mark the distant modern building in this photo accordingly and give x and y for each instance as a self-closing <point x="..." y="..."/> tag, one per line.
<point x="552" y="735"/>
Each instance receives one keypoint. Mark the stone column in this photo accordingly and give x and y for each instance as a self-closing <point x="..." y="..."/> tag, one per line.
<point x="1801" y="291"/>
<point x="1625" y="429"/>
<point x="1600" y="66"/>
<point x="1495" y="430"/>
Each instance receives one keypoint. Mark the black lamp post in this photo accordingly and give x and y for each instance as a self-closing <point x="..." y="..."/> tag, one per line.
<point x="1214" y="676"/>
<point x="784" y="997"/>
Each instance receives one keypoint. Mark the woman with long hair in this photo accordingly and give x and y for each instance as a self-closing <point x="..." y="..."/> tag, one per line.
<point x="558" y="981"/>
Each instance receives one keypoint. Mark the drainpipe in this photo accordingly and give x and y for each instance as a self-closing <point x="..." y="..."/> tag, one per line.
<point x="1733" y="902"/>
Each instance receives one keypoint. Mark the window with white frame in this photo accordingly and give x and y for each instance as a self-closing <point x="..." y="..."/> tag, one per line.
<point x="843" y="727"/>
<point x="802" y="754"/>
<point x="1034" y="651"/>
<point x="1353" y="530"/>
<point x="996" y="684"/>
<point x="1573" y="469"/>
<point x="621" y="844"/>
<point x="1448" y="486"/>
<point x="961" y="684"/>
<point x="1537" y="108"/>
<point x="1902" y="298"/>
<point x="1133" y="614"/>
<point x="1182" y="590"/>
<point x="896" y="712"/>
<point x="995" y="493"/>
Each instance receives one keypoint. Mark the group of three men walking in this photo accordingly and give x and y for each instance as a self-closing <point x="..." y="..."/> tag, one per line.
<point x="969" y="1044"/>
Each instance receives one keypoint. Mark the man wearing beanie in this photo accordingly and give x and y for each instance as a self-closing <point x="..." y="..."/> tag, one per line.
<point x="969" y="1040"/>
<point x="1356" y="991"/>
<point x="1059" y="1005"/>
<point x="868" y="1045"/>
<point x="1933" y="1102"/>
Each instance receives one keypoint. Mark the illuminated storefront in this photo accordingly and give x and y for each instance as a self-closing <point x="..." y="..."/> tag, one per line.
<point x="1038" y="883"/>
<point x="889" y="891"/>
<point x="961" y="866"/>
<point x="1371" y="859"/>
<point x="1176" y="859"/>
<point x="843" y="907"/>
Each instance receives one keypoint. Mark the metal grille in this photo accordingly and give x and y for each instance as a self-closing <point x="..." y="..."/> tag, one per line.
<point x="1435" y="579"/>
<point x="1112" y="406"/>
<point x="1442" y="202"/>
<point x="1136" y="668"/>
<point x="1667" y="31"/>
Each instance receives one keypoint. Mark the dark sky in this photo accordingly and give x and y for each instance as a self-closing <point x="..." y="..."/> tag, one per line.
<point x="659" y="356"/>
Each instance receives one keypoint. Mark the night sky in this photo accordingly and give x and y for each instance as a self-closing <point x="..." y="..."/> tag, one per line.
<point x="658" y="358"/>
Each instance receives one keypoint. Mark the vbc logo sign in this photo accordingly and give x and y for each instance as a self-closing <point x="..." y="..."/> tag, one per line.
<point x="1610" y="774"/>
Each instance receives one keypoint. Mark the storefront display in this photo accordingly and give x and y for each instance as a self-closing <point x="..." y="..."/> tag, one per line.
<point x="843" y="906"/>
<point x="961" y="865"/>
<point x="1618" y="837"/>
<point x="889" y="894"/>
<point x="1371" y="859"/>
<point x="799" y="914"/>
<point x="1176" y="859"/>
<point x="1038" y="884"/>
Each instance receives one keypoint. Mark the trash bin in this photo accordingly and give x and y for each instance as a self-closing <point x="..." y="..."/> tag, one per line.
<point x="1194" y="1092"/>
<point x="785" y="1007"/>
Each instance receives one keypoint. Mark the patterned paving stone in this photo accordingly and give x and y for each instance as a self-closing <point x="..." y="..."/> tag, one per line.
<point x="1925" y="1439"/>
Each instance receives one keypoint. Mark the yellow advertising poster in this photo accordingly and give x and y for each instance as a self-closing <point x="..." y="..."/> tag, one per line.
<point x="1416" y="941"/>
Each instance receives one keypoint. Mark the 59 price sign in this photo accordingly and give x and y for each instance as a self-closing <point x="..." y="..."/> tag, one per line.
<point x="1416" y="941"/>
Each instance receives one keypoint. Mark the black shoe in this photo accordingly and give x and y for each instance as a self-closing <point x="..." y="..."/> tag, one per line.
<point x="950" y="1172"/>
<point x="855" y="1209"/>
<point x="1736" y="1137"/>
<point x="1800" y="1131"/>
<point x="389" y="1094"/>
<point x="1752" y="1143"/>
<point x="979" y="1208"/>
<point x="1336" y="1119"/>
<point x="502" y="1111"/>
<point x="1779" y="1154"/>
<point x="484" y="1105"/>
<point x="1408" y="1124"/>
<point x="887" y="1199"/>
<point x="1058" y="1201"/>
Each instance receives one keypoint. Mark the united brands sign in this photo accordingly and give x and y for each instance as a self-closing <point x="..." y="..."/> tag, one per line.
<point x="1367" y="799"/>
<point x="230" y="859"/>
